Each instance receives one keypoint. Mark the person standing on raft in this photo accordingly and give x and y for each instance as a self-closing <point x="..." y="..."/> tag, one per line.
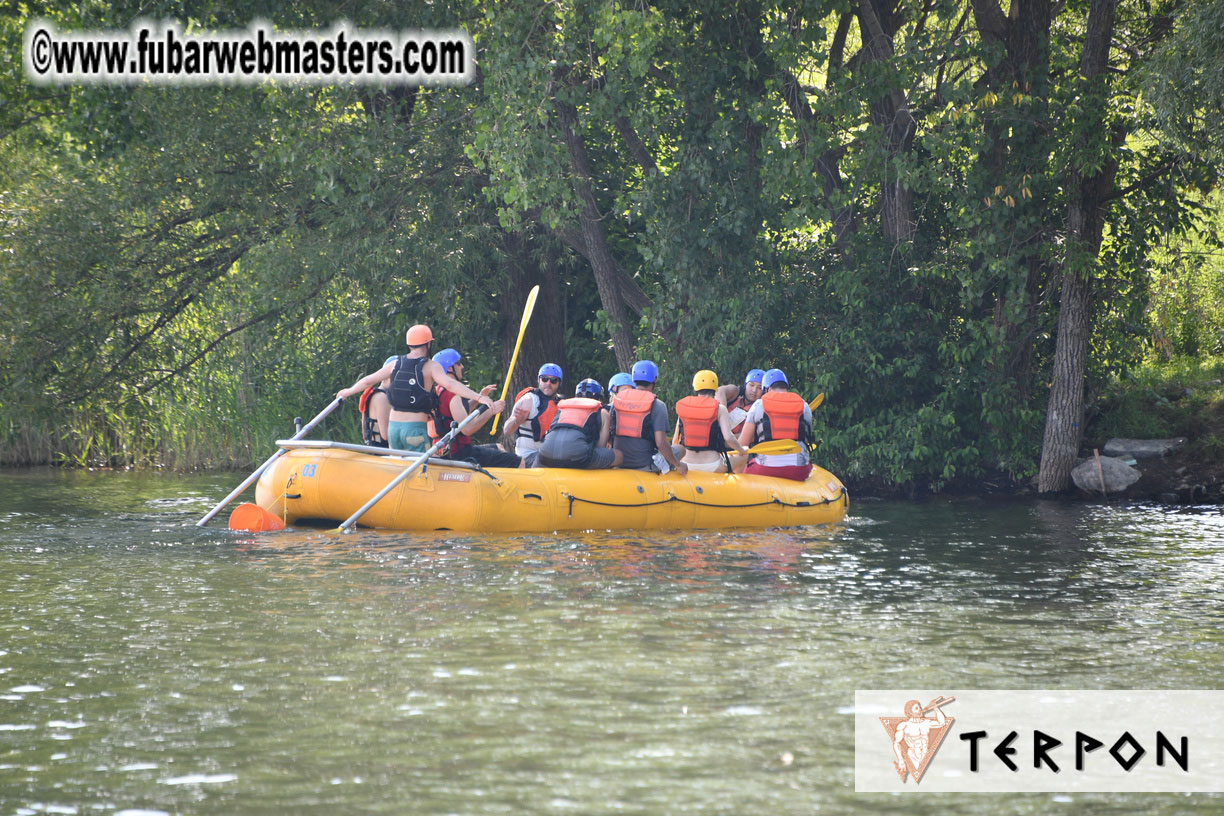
<point x="411" y="391"/>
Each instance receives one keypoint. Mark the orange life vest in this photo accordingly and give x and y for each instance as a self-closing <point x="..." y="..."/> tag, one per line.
<point x="783" y="417"/>
<point x="631" y="413"/>
<point x="574" y="413"/>
<point x="536" y="427"/>
<point x="699" y="428"/>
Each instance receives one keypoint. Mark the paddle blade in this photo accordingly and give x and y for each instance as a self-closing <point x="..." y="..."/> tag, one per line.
<point x="814" y="404"/>
<point x="252" y="518"/>
<point x="775" y="447"/>
<point x="528" y="308"/>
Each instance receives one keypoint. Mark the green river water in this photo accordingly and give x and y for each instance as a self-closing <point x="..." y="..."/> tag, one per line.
<point x="149" y="667"/>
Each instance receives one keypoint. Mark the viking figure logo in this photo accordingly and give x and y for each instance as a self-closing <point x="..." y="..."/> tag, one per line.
<point x="916" y="737"/>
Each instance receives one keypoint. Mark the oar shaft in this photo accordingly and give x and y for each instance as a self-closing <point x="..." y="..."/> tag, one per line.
<point x="259" y="470"/>
<point x="404" y="474"/>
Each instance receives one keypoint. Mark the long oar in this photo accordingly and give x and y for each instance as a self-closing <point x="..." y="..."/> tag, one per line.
<point x="259" y="470"/>
<point x="408" y="471"/>
<point x="531" y="299"/>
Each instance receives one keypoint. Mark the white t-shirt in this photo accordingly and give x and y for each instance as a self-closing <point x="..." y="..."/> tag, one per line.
<point x="755" y="414"/>
<point x="525" y="444"/>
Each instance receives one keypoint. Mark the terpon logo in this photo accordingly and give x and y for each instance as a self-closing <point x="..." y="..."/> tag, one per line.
<point x="916" y="737"/>
<point x="1052" y="741"/>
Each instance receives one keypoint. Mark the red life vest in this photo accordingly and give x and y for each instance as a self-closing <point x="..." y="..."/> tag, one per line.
<point x="536" y="427"/>
<point x="783" y="417"/>
<point x="369" y="426"/>
<point x="743" y="405"/>
<point x="631" y="413"/>
<point x="440" y="423"/>
<point x="699" y="428"/>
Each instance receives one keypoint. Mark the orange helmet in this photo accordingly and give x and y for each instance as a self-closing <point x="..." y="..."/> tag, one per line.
<point x="419" y="335"/>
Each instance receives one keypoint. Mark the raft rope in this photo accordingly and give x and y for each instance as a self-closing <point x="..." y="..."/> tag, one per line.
<point x="775" y="500"/>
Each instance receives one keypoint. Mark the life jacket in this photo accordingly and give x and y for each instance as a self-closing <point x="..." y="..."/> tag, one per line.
<point x="582" y="413"/>
<point x="369" y="425"/>
<point x="407" y="391"/>
<point x="742" y="407"/>
<point x="440" y="421"/>
<point x="537" y="426"/>
<point x="783" y="417"/>
<point x="631" y="414"/>
<point x="699" y="428"/>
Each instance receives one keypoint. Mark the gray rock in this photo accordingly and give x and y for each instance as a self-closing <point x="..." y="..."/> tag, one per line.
<point x="1117" y="475"/>
<point x="1143" y="448"/>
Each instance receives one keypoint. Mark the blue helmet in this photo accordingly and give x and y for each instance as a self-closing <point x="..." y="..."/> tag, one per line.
<point x="645" y="371"/>
<point x="550" y="370"/>
<point x="773" y="375"/>
<point x="589" y="388"/>
<point x="618" y="379"/>
<point x="447" y="358"/>
<point x="755" y="375"/>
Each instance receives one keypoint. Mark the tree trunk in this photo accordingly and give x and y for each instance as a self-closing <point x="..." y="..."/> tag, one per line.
<point x="544" y="341"/>
<point x="890" y="112"/>
<point x="1088" y="197"/>
<point x="608" y="274"/>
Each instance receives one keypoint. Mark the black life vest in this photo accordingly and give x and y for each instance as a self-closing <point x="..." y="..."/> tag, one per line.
<point x="537" y="426"/>
<point x="369" y="425"/>
<point x="407" y="391"/>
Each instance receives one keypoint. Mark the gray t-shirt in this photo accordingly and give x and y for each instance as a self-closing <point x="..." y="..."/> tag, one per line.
<point x="639" y="452"/>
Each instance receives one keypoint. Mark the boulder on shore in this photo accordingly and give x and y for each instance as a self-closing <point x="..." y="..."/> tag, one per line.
<point x="1143" y="448"/>
<point x="1116" y="475"/>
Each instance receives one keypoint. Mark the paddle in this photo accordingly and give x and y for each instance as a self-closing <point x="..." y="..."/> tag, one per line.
<point x="259" y="470"/>
<point x="774" y="447"/>
<point x="814" y="404"/>
<point x="531" y="299"/>
<point x="408" y="471"/>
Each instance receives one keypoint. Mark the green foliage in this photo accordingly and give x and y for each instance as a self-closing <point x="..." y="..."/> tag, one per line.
<point x="184" y="270"/>
<point x="1162" y="399"/>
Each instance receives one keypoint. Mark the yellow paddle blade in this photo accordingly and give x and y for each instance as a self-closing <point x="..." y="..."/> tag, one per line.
<point x="814" y="404"/>
<point x="252" y="518"/>
<point x="775" y="447"/>
<point x="527" y="309"/>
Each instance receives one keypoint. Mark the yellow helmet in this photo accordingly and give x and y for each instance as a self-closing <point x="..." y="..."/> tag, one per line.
<point x="705" y="380"/>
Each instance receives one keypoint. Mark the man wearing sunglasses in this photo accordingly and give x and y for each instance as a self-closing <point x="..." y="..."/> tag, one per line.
<point x="534" y="409"/>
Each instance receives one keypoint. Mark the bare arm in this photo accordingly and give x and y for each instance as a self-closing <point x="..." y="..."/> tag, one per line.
<point x="666" y="451"/>
<point x="452" y="385"/>
<point x="460" y="413"/>
<point x="605" y="429"/>
<point x="366" y="381"/>
<point x="724" y="423"/>
<point x="522" y="410"/>
<point x="747" y="434"/>
<point x="727" y="394"/>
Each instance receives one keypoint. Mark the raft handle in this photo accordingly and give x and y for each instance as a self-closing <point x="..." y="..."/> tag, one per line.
<point x="533" y="496"/>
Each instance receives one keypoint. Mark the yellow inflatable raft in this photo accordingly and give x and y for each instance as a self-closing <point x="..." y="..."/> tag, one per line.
<point x="331" y="480"/>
